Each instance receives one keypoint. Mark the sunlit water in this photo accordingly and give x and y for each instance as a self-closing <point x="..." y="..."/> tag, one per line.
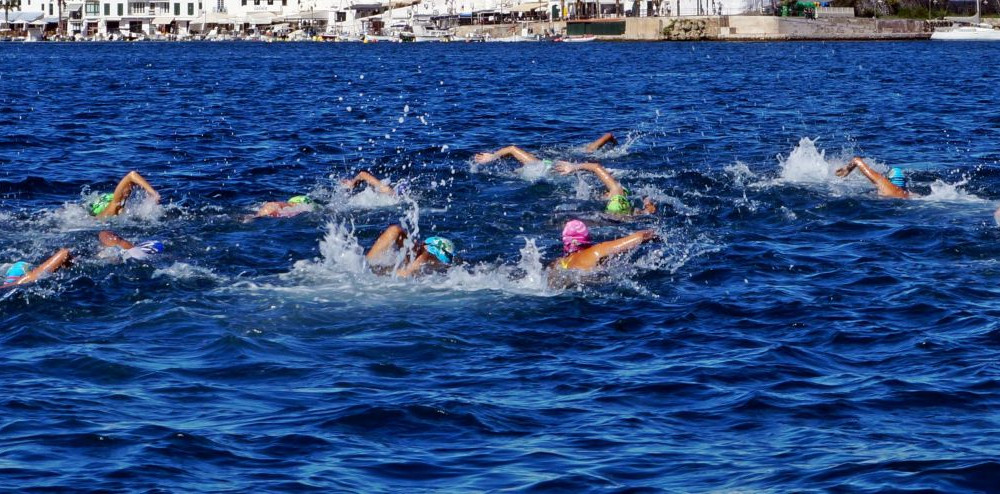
<point x="791" y="332"/>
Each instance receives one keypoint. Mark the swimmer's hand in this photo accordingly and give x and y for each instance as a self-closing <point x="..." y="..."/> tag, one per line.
<point x="649" y="235"/>
<point x="565" y="168"/>
<point x="848" y="168"/>
<point x="485" y="157"/>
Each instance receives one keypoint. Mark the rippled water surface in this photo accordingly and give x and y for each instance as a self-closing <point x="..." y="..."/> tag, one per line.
<point x="791" y="332"/>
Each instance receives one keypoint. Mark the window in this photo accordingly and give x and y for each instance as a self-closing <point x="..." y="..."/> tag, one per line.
<point x="50" y="9"/>
<point x="284" y="3"/>
<point x="243" y="2"/>
<point x="120" y="13"/>
<point x="107" y="9"/>
<point x="256" y="2"/>
<point x="199" y="7"/>
<point x="136" y="8"/>
<point x="177" y="9"/>
<point x="270" y="2"/>
<point x="190" y="9"/>
<point x="93" y="8"/>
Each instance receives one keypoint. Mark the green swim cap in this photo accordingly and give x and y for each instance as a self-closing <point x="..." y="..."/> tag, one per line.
<point x="97" y="207"/>
<point x="300" y="200"/>
<point x="619" y="204"/>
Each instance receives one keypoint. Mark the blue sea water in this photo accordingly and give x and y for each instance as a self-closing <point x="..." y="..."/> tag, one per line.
<point x="791" y="332"/>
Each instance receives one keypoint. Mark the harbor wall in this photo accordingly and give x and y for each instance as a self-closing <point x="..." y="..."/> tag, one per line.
<point x="735" y="28"/>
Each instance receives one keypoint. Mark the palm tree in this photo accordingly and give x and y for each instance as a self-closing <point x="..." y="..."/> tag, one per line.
<point x="7" y="6"/>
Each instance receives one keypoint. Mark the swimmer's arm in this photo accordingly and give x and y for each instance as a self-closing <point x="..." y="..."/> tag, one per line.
<point x="111" y="239"/>
<point x="371" y="180"/>
<point x="884" y="186"/>
<point x="614" y="187"/>
<point x="58" y="260"/>
<point x="141" y="182"/>
<point x="602" y="141"/>
<point x="124" y="189"/>
<point x="648" y="207"/>
<point x="597" y="253"/>
<point x="412" y="268"/>
<point x="271" y="209"/>
<point x="517" y="153"/>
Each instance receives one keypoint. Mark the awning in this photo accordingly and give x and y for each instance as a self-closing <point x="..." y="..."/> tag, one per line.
<point x="280" y="27"/>
<point x="316" y="15"/>
<point x="162" y="21"/>
<point x="74" y="7"/>
<point x="366" y="6"/>
<point x="217" y="18"/>
<point x="395" y="4"/>
<point x="52" y="19"/>
<point x="528" y="7"/>
<point x="259" y="18"/>
<point x="24" y="17"/>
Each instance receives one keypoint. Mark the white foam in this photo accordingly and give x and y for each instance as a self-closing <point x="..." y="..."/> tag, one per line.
<point x="184" y="271"/>
<point x="807" y="164"/>
<point x="945" y="192"/>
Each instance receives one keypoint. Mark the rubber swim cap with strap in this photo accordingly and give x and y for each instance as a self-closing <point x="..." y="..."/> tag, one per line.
<point x="16" y="272"/>
<point x="897" y="178"/>
<point x="441" y="248"/>
<point x="619" y="204"/>
<point x="144" y="250"/>
<point x="300" y="200"/>
<point x="575" y="236"/>
<point x="98" y="206"/>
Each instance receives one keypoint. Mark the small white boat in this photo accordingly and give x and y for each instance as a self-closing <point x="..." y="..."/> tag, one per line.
<point x="969" y="29"/>
<point x="577" y="39"/>
<point x="979" y="32"/>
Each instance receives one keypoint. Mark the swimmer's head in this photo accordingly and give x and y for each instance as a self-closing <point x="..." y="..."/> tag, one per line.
<point x="300" y="200"/>
<point x="619" y="204"/>
<point x="144" y="250"/>
<point x="100" y="204"/>
<point x="575" y="236"/>
<point x="441" y="248"/>
<point x="897" y="178"/>
<point x="16" y="272"/>
<point x="401" y="188"/>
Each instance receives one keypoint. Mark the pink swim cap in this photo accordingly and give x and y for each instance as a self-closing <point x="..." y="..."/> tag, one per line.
<point x="575" y="236"/>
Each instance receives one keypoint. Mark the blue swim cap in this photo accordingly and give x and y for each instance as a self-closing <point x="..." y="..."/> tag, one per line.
<point x="401" y="188"/>
<point x="151" y="247"/>
<point x="16" y="272"/>
<point x="897" y="178"/>
<point x="440" y="248"/>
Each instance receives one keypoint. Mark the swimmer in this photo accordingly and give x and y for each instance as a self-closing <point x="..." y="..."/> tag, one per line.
<point x="618" y="200"/>
<point x="108" y="205"/>
<point x="20" y="273"/>
<point x="583" y="255"/>
<point x="433" y="253"/>
<point x="129" y="250"/>
<point x="294" y="206"/>
<point x="374" y="183"/>
<point x="527" y="158"/>
<point x="892" y="186"/>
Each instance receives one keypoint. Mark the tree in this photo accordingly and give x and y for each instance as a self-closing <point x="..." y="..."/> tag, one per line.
<point x="7" y="6"/>
<point x="61" y="30"/>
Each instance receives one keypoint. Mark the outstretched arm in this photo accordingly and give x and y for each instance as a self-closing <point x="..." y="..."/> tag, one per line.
<point x="614" y="188"/>
<point x="884" y="186"/>
<point x="111" y="239"/>
<point x="602" y="141"/>
<point x="58" y="260"/>
<point x="369" y="179"/>
<point x="592" y="256"/>
<point x="517" y="153"/>
<point x="124" y="190"/>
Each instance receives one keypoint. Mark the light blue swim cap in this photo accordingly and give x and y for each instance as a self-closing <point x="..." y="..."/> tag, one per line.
<point x="16" y="272"/>
<point x="897" y="178"/>
<point x="440" y="248"/>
